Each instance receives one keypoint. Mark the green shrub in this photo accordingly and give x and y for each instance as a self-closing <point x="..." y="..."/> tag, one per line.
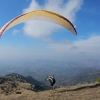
<point x="98" y="80"/>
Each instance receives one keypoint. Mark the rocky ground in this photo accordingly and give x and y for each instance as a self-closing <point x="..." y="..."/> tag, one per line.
<point x="79" y="92"/>
<point x="16" y="87"/>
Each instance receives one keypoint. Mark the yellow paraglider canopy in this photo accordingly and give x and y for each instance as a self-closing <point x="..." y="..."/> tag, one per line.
<point x="40" y="14"/>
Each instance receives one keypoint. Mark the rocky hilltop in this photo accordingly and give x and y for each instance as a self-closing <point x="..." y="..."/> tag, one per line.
<point x="17" y="87"/>
<point x="15" y="83"/>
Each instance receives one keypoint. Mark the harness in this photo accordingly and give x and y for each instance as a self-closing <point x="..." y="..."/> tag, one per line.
<point x="52" y="81"/>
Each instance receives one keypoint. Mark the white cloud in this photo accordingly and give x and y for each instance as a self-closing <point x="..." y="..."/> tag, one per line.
<point x="80" y="48"/>
<point x="38" y="29"/>
<point x="62" y="46"/>
<point x="90" y="45"/>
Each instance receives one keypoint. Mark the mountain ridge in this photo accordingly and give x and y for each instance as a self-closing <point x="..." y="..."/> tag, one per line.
<point x="15" y="82"/>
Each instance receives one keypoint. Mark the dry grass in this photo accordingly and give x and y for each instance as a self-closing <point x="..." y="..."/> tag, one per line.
<point x="79" y="92"/>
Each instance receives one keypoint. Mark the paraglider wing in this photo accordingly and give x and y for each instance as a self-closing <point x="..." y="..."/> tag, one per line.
<point x="43" y="15"/>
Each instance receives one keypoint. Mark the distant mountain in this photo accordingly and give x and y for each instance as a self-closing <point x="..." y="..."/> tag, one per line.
<point x="14" y="82"/>
<point x="28" y="79"/>
<point x="82" y="78"/>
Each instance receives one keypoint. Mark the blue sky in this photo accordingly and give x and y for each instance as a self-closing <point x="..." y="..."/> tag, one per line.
<point x="34" y="40"/>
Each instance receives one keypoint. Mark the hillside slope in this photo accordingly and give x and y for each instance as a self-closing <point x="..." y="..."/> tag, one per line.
<point x="18" y="87"/>
<point x="15" y="82"/>
<point x="82" y="92"/>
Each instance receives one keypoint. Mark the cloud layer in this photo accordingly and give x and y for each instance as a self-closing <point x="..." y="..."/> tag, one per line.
<point x="89" y="45"/>
<point x="40" y="29"/>
<point x="64" y="50"/>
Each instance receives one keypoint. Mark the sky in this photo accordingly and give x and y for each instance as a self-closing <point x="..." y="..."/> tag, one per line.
<point x="35" y="39"/>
